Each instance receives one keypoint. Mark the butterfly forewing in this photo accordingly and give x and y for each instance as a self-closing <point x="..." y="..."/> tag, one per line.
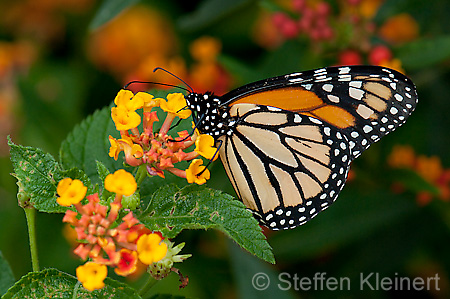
<point x="364" y="102"/>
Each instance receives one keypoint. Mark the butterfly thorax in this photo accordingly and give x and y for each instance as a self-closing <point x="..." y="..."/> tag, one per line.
<point x="210" y="115"/>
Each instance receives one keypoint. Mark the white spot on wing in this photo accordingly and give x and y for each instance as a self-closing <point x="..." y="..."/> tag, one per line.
<point x="327" y="87"/>
<point x="344" y="70"/>
<point x="355" y="93"/>
<point x="333" y="98"/>
<point x="356" y="84"/>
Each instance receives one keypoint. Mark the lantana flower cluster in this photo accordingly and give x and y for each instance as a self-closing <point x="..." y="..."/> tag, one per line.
<point x="158" y="151"/>
<point x="429" y="168"/>
<point x="105" y="239"/>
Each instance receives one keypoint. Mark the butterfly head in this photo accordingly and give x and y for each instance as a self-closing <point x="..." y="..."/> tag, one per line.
<point x="208" y="113"/>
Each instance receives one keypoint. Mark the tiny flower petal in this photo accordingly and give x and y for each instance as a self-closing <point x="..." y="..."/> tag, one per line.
<point x="123" y="96"/>
<point x="125" y="119"/>
<point x="91" y="275"/>
<point x="192" y="173"/>
<point x="115" y="148"/>
<point x="175" y="104"/>
<point x="204" y="145"/>
<point x="121" y="182"/>
<point x="151" y="249"/>
<point x="127" y="100"/>
<point x="149" y="100"/>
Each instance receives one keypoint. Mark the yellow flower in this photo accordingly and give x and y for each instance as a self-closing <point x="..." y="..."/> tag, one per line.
<point x="121" y="182"/>
<point x="115" y="148"/>
<point x="204" y="145"/>
<point x="175" y="104"/>
<point x="70" y="192"/>
<point x="151" y="249"/>
<point x="125" y="119"/>
<point x="149" y="100"/>
<point x="192" y="173"/>
<point x="91" y="275"/>
<point x="126" y="99"/>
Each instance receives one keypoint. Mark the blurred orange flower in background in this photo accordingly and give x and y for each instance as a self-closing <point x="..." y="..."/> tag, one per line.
<point x="400" y="29"/>
<point x="130" y="39"/>
<point x="429" y="168"/>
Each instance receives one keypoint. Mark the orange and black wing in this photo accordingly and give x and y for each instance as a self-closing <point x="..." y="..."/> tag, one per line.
<point x="289" y="153"/>
<point x="364" y="102"/>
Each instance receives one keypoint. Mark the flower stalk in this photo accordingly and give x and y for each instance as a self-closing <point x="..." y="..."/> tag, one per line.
<point x="30" y="213"/>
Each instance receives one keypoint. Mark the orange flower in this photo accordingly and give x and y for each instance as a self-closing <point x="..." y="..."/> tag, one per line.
<point x="402" y="156"/>
<point x="399" y="29"/>
<point x="127" y="264"/>
<point x="369" y="8"/>
<point x="429" y="168"/>
<point x="119" y="45"/>
<point x="205" y="49"/>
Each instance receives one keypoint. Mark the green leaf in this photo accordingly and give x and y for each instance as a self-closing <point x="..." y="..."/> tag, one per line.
<point x="210" y="11"/>
<point x="102" y="174"/>
<point x="167" y="296"/>
<point x="424" y="52"/>
<point x="88" y="143"/>
<point x="6" y="276"/>
<point x="108" y="10"/>
<point x="102" y="171"/>
<point x="195" y="207"/>
<point x="38" y="174"/>
<point x="52" y="283"/>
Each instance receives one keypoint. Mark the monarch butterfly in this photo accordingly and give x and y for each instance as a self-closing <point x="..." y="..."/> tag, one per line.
<point x="287" y="142"/>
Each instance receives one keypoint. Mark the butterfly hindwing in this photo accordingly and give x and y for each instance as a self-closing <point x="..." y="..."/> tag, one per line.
<point x="285" y="167"/>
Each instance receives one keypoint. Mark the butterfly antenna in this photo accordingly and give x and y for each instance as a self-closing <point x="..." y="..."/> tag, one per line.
<point x="190" y="134"/>
<point x="157" y="83"/>
<point x="173" y="75"/>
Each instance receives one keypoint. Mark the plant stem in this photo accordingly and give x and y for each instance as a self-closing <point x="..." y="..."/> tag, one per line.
<point x="31" y="222"/>
<point x="147" y="286"/>
<point x="141" y="174"/>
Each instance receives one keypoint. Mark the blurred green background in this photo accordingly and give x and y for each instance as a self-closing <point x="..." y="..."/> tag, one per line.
<point x="60" y="60"/>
